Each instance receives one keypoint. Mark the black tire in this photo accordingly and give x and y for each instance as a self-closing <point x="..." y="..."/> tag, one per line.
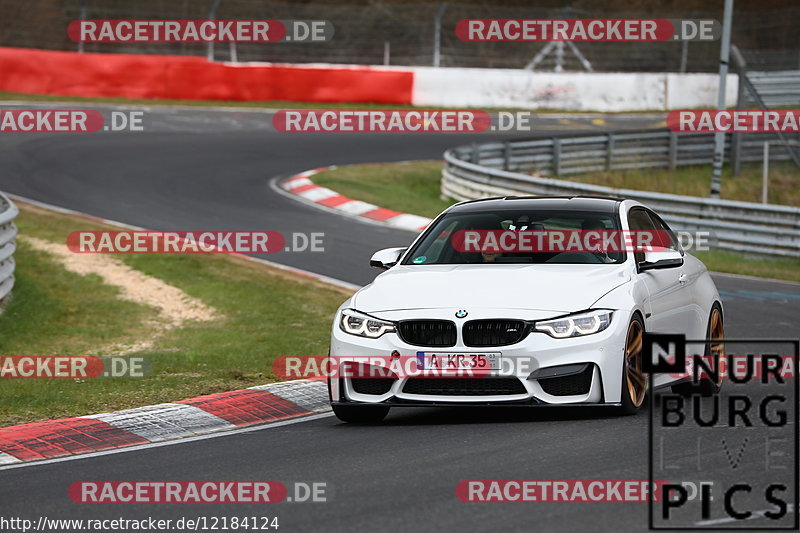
<point x="634" y="380"/>
<point x="706" y="386"/>
<point x="361" y="414"/>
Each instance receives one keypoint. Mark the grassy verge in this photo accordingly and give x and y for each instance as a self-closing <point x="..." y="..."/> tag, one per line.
<point x="263" y="313"/>
<point x="413" y="187"/>
<point x="409" y="187"/>
<point x="736" y="263"/>
<point x="784" y="182"/>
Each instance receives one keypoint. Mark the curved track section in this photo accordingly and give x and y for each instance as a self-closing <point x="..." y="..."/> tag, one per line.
<point x="196" y="169"/>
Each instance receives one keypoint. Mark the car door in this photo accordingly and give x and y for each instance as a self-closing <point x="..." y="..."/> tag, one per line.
<point x="669" y="305"/>
<point x="694" y="308"/>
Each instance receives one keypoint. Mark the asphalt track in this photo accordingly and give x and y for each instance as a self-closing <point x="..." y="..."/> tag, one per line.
<point x="211" y="170"/>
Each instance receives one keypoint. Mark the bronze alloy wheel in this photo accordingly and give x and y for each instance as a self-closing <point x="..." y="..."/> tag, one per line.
<point x="634" y="375"/>
<point x="714" y="352"/>
<point x="716" y="333"/>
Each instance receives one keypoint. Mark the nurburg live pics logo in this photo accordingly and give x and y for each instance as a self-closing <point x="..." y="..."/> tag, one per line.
<point x="745" y="436"/>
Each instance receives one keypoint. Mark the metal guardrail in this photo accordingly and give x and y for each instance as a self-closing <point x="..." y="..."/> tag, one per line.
<point x="613" y="151"/>
<point x="777" y="88"/>
<point x="8" y="232"/>
<point x="494" y="169"/>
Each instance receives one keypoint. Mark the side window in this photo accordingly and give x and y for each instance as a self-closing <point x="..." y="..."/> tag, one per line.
<point x="660" y="225"/>
<point x="638" y="220"/>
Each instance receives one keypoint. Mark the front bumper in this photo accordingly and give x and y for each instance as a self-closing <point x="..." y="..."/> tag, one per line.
<point x="601" y="354"/>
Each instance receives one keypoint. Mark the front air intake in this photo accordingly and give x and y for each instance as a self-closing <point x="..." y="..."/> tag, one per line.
<point x="432" y="333"/>
<point x="485" y="333"/>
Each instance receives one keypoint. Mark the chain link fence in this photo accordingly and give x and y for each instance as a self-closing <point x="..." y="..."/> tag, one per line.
<point x="404" y="34"/>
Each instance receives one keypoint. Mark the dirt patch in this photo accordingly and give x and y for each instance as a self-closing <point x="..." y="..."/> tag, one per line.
<point x="174" y="306"/>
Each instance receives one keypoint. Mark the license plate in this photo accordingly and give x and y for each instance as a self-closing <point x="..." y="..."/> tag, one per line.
<point x="458" y="361"/>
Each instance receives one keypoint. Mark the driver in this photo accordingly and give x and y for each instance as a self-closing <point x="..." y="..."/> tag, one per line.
<point x="595" y="224"/>
<point x="490" y="257"/>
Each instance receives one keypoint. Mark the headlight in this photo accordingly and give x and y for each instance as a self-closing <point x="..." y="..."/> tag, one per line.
<point x="576" y="325"/>
<point x="356" y="323"/>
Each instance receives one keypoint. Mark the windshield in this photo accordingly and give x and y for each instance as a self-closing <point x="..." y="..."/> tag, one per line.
<point x="444" y="244"/>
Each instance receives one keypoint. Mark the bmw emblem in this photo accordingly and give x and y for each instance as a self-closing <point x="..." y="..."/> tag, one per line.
<point x="461" y="313"/>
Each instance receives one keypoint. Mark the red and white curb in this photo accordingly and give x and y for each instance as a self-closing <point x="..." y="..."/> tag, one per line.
<point x="167" y="421"/>
<point x="301" y="185"/>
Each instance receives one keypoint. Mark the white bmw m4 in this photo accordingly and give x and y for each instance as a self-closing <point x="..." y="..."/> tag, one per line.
<point x="545" y="326"/>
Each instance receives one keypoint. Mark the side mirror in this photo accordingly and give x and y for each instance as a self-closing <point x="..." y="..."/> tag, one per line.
<point x="386" y="258"/>
<point x="660" y="259"/>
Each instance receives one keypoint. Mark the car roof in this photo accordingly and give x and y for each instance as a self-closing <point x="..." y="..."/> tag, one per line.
<point x="599" y="204"/>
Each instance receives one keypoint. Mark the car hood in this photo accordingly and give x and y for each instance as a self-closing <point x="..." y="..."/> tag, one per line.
<point x="557" y="288"/>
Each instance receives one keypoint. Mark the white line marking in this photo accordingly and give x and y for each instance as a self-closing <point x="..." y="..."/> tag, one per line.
<point x="149" y="445"/>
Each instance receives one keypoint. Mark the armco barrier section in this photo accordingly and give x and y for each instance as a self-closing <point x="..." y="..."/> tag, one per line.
<point x="8" y="232"/>
<point x="195" y="78"/>
<point x="777" y="89"/>
<point x="614" y="151"/>
<point x="492" y="169"/>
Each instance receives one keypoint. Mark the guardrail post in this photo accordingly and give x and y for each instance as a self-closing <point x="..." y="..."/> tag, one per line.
<point x="437" y="34"/>
<point x="556" y="156"/>
<point x="212" y="15"/>
<point x="475" y="155"/>
<point x="673" y="150"/>
<point x="610" y="151"/>
<point x="82" y="16"/>
<point x="506" y="155"/>
<point x="736" y="140"/>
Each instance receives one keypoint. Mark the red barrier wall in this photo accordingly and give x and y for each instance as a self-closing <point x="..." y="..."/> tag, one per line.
<point x="193" y="78"/>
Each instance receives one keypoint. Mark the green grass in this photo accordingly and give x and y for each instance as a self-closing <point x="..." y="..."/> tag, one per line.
<point x="784" y="182"/>
<point x="413" y="187"/>
<point x="409" y="187"/>
<point x="750" y="265"/>
<point x="264" y="313"/>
